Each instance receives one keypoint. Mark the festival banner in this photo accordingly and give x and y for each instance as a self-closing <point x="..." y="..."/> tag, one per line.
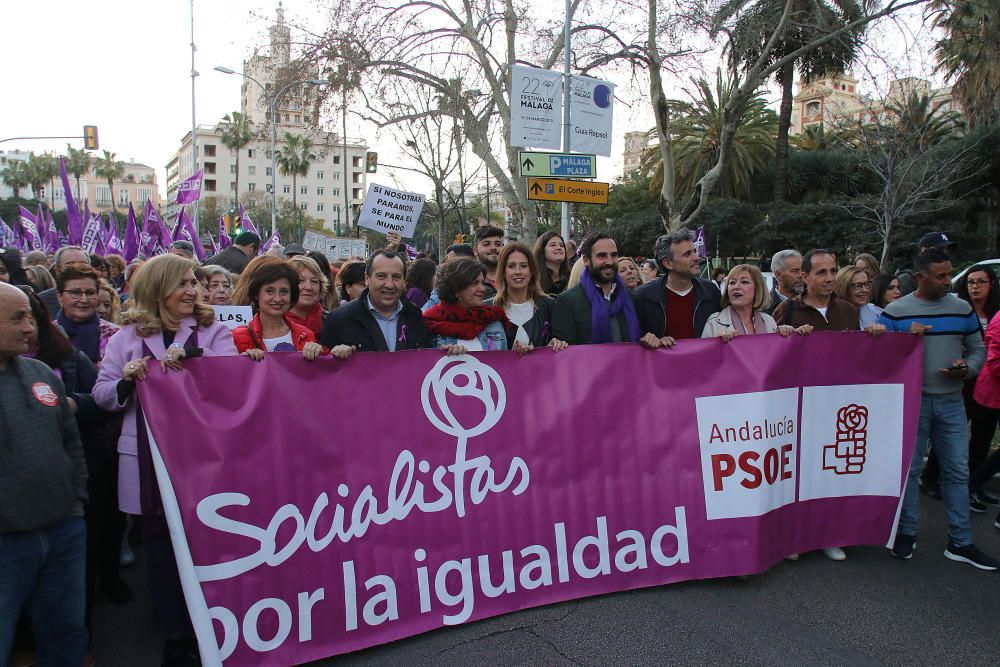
<point x="535" y="107"/>
<point x="74" y="223"/>
<point x="590" y="110"/>
<point x="502" y="483"/>
<point x="189" y="189"/>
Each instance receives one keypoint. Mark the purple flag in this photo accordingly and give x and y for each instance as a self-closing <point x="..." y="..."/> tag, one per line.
<point x="270" y="242"/>
<point x="411" y="252"/>
<point x="29" y="230"/>
<point x="246" y="223"/>
<point x="190" y="189"/>
<point x="224" y="240"/>
<point x="91" y="234"/>
<point x="43" y="232"/>
<point x="131" y="248"/>
<point x="175" y="234"/>
<point x="51" y="234"/>
<point x="151" y="239"/>
<point x="74" y="221"/>
<point x="192" y="235"/>
<point x="213" y="245"/>
<point x="83" y="221"/>
<point x="699" y="242"/>
<point x="7" y="236"/>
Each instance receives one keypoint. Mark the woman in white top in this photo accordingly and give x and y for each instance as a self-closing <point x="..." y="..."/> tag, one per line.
<point x="743" y="304"/>
<point x="520" y="294"/>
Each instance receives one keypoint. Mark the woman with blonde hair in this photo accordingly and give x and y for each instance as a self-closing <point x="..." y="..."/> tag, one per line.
<point x="520" y="294"/>
<point x="868" y="263"/>
<point x="743" y="305"/>
<point x="109" y="304"/>
<point x="629" y="270"/>
<point x="40" y="277"/>
<point x="165" y="323"/>
<point x="854" y="285"/>
<point x="574" y="275"/>
<point x="313" y="286"/>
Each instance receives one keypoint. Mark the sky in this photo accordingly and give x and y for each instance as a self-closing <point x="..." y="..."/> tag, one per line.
<point x="125" y="66"/>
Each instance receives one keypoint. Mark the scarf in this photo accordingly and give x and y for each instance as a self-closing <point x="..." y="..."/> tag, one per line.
<point x="313" y="319"/>
<point x="461" y="323"/>
<point x="85" y="336"/>
<point x="601" y="311"/>
<point x="741" y="329"/>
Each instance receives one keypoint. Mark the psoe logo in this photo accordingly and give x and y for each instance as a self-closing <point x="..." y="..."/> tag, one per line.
<point x="847" y="455"/>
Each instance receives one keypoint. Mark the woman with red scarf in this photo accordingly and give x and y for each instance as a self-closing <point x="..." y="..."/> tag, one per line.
<point x="461" y="322"/>
<point x="272" y="288"/>
<point x="313" y="285"/>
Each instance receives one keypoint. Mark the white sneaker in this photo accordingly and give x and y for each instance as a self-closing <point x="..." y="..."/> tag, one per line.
<point x="792" y="557"/>
<point x="835" y="553"/>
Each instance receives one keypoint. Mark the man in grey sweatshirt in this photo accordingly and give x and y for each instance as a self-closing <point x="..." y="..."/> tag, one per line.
<point x="953" y="351"/>
<point x="43" y="485"/>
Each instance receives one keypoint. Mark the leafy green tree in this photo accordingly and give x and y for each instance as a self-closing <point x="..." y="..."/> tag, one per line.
<point x="15" y="175"/>
<point x="236" y="133"/>
<point x="77" y="164"/>
<point x="295" y="158"/>
<point x="969" y="54"/>
<point x="808" y="21"/>
<point x="109" y="168"/>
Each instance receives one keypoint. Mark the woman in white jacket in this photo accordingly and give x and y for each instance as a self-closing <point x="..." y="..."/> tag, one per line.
<point x="743" y="304"/>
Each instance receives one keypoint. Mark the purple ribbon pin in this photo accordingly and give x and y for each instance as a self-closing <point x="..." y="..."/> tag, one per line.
<point x="402" y="334"/>
<point x="489" y="344"/>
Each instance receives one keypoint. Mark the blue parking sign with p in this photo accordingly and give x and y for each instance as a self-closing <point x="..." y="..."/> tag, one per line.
<point x="550" y="189"/>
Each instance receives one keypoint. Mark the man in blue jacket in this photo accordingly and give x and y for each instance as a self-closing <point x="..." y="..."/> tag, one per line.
<point x="678" y="304"/>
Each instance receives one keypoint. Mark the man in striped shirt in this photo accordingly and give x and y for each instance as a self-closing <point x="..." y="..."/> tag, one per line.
<point x="953" y="351"/>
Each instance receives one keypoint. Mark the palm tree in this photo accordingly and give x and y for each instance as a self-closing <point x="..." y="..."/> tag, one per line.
<point x="969" y="53"/>
<point x="110" y="168"/>
<point x="808" y="21"/>
<point x="697" y="137"/>
<point x="236" y="134"/>
<point x="15" y="174"/>
<point x="813" y="138"/>
<point x="921" y="123"/>
<point x="78" y="164"/>
<point x="295" y="159"/>
<point x="39" y="169"/>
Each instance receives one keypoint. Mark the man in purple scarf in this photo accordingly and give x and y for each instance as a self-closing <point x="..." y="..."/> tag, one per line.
<point x="600" y="309"/>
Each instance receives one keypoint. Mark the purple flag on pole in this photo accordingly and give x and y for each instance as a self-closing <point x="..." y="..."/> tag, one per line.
<point x="74" y="221"/>
<point x="224" y="240"/>
<point x="175" y="234"/>
<point x="699" y="242"/>
<point x="270" y="242"/>
<point x="84" y="219"/>
<point x="213" y="245"/>
<point x="190" y="189"/>
<point x="29" y="230"/>
<point x="7" y="237"/>
<point x="43" y="235"/>
<point x="192" y="235"/>
<point x="131" y="247"/>
<point x="246" y="223"/>
<point x="51" y="234"/>
<point x="151" y="239"/>
<point x="91" y="234"/>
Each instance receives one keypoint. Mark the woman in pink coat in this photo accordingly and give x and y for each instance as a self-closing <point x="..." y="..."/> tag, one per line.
<point x="987" y="394"/>
<point x="165" y="324"/>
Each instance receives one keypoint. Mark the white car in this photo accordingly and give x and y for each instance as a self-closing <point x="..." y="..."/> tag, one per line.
<point x="994" y="263"/>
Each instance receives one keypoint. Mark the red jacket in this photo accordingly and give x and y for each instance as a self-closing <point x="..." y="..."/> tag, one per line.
<point x="244" y="341"/>
<point x="987" y="391"/>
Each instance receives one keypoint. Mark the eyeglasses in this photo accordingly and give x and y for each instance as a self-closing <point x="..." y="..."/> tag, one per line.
<point x="861" y="286"/>
<point x="978" y="283"/>
<point x="78" y="294"/>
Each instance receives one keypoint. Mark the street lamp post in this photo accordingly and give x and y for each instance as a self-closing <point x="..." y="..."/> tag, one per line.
<point x="273" y="104"/>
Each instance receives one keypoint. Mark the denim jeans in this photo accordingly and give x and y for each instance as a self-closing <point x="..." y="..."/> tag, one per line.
<point x="943" y="422"/>
<point x="43" y="571"/>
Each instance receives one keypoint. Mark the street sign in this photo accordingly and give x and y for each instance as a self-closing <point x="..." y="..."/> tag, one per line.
<point x="548" y="165"/>
<point x="583" y="192"/>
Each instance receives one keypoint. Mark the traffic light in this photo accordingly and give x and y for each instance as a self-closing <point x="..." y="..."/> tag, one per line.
<point x="371" y="162"/>
<point x="90" y="137"/>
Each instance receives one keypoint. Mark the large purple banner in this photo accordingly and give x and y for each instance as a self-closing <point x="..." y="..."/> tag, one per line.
<point x="322" y="508"/>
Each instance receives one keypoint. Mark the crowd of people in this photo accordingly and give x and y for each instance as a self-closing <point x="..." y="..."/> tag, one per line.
<point x="78" y="332"/>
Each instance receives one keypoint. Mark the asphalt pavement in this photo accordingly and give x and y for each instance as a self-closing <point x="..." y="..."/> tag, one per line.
<point x="869" y="609"/>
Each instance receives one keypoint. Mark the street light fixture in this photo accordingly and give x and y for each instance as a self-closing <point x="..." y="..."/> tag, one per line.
<point x="273" y="104"/>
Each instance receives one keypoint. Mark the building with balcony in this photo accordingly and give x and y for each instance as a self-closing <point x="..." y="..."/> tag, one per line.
<point x="335" y="186"/>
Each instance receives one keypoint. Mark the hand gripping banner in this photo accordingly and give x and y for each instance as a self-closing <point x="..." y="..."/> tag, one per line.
<point x="322" y="508"/>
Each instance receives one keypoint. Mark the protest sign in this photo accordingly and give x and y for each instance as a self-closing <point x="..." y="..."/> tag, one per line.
<point x="389" y="210"/>
<point x="535" y="108"/>
<point x="233" y="316"/>
<point x="335" y="247"/>
<point x="294" y="543"/>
